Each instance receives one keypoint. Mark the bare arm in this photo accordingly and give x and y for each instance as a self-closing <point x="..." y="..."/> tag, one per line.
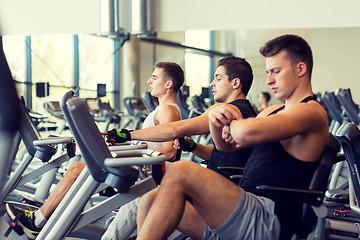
<point x="302" y="126"/>
<point x="172" y="130"/>
<point x="168" y="150"/>
<point x="219" y="117"/>
<point x="167" y="114"/>
<point x="203" y="151"/>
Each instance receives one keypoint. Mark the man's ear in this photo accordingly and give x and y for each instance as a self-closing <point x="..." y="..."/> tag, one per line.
<point x="236" y="83"/>
<point x="169" y="84"/>
<point x="301" y="69"/>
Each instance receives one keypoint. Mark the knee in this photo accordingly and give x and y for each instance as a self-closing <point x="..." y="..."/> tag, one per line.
<point x="179" y="170"/>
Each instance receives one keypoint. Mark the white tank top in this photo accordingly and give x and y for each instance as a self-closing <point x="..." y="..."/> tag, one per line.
<point x="149" y="122"/>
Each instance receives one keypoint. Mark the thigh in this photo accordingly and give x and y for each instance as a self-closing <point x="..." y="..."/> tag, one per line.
<point x="213" y="196"/>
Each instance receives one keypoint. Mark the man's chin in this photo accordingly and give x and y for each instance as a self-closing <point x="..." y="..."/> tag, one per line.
<point x="280" y="97"/>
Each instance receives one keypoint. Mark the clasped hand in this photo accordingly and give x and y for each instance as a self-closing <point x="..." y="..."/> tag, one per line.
<point x="220" y="116"/>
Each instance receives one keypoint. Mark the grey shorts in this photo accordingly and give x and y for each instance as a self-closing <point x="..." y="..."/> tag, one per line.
<point x="253" y="218"/>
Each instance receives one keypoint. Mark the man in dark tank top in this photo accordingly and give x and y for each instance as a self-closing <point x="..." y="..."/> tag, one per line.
<point x="205" y="205"/>
<point x="232" y="81"/>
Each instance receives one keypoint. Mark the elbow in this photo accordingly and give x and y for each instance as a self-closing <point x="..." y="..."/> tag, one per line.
<point x="240" y="136"/>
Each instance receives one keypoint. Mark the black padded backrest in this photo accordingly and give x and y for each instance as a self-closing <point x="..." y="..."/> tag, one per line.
<point x="195" y="101"/>
<point x="134" y="105"/>
<point x="332" y="105"/>
<point x="105" y="106"/>
<point x="349" y="136"/>
<point x="350" y="107"/>
<point x="53" y="107"/>
<point x="29" y="133"/>
<point x="184" y="108"/>
<point x="92" y="104"/>
<point x="9" y="107"/>
<point x="94" y="161"/>
<point x="319" y="182"/>
<point x="9" y="114"/>
<point x="27" y="129"/>
<point x="92" y="145"/>
<point x="205" y="92"/>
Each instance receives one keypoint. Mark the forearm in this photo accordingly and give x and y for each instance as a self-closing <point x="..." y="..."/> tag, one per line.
<point x="169" y="152"/>
<point x="202" y="151"/>
<point x="159" y="133"/>
<point x="220" y="117"/>
<point x="173" y="130"/>
<point x="245" y="132"/>
<point x="219" y="142"/>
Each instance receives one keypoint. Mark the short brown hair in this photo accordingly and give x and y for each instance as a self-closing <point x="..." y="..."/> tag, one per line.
<point x="238" y="68"/>
<point x="297" y="50"/>
<point x="174" y="72"/>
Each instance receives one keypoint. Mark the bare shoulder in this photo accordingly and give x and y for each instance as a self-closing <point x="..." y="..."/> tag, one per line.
<point x="168" y="108"/>
<point x="311" y="114"/>
<point x="311" y="108"/>
<point x="215" y="105"/>
<point x="311" y="118"/>
<point x="167" y="113"/>
<point x="317" y="109"/>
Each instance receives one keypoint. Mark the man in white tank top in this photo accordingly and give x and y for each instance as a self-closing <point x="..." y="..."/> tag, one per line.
<point x="164" y="83"/>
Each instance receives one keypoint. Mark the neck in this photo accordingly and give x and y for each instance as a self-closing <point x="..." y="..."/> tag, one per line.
<point x="234" y="97"/>
<point x="297" y="96"/>
<point x="167" y="99"/>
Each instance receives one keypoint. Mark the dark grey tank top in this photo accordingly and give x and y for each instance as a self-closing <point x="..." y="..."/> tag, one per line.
<point x="236" y="158"/>
<point x="270" y="164"/>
